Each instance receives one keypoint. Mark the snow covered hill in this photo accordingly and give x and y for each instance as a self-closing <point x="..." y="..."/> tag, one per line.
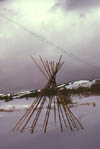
<point x="80" y="83"/>
<point x="33" y="93"/>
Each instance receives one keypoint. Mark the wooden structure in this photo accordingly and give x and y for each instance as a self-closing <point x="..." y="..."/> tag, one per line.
<point x="52" y="96"/>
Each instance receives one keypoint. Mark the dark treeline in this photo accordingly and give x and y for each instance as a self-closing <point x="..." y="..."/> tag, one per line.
<point x="94" y="89"/>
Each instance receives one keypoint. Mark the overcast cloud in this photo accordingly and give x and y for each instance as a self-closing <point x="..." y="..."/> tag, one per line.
<point x="75" y="31"/>
<point x="78" y="4"/>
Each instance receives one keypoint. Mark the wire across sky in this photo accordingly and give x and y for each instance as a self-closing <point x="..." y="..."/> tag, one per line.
<point x="50" y="43"/>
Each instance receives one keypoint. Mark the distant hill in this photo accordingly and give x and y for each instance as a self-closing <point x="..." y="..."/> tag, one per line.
<point x="84" y="87"/>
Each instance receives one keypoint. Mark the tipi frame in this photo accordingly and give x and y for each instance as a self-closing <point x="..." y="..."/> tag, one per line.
<point x="65" y="115"/>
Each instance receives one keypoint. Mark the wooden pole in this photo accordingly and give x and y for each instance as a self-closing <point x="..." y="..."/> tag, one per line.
<point x="43" y="63"/>
<point x="39" y="68"/>
<point x="46" y="123"/>
<point x="63" y="116"/>
<point x="59" y="115"/>
<point x="54" y="113"/>
<point x="77" y="120"/>
<point x="27" y="114"/>
<point x="31" y="115"/>
<point x="67" y="116"/>
<point x="27" y="111"/>
<point x="37" y="115"/>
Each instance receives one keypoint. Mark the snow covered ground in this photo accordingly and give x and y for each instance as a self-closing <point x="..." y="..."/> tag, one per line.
<point x="17" y="104"/>
<point x="89" y="138"/>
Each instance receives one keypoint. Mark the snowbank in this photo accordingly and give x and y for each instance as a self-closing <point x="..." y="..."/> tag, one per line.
<point x="16" y="104"/>
<point x="89" y="138"/>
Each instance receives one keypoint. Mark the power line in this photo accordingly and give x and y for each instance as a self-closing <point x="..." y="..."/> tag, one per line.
<point x="50" y="43"/>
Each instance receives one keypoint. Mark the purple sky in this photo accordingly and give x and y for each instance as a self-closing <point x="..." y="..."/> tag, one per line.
<point x="71" y="24"/>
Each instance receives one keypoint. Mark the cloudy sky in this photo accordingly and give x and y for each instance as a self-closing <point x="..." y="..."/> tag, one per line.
<point x="72" y="25"/>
